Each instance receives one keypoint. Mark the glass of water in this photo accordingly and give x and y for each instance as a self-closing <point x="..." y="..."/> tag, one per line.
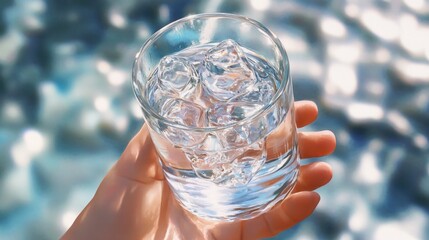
<point x="217" y="97"/>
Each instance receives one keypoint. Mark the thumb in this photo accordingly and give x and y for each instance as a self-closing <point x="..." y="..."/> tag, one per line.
<point x="139" y="161"/>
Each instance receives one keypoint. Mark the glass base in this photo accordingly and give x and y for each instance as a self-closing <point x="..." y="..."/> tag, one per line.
<point x="271" y="184"/>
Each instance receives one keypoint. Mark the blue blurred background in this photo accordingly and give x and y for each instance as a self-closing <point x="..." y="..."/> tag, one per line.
<point x="67" y="110"/>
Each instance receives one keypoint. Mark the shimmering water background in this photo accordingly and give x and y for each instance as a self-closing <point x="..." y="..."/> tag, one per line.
<point x="67" y="110"/>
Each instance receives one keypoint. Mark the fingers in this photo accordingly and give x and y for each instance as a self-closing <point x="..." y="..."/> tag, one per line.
<point x="295" y="208"/>
<point x="302" y="202"/>
<point x="313" y="176"/>
<point x="291" y="211"/>
<point x="305" y="113"/>
<point x="316" y="144"/>
<point x="312" y="144"/>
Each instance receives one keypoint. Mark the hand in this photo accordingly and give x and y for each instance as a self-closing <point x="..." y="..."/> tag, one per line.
<point x="134" y="200"/>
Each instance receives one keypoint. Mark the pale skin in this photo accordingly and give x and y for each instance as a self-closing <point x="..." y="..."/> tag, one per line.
<point x="134" y="200"/>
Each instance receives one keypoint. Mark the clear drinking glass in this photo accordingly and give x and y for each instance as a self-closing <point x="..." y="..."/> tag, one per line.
<point x="270" y="152"/>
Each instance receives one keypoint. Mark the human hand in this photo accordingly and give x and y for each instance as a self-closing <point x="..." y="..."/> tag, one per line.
<point x="134" y="200"/>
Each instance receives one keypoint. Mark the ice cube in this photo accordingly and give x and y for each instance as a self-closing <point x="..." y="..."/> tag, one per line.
<point x="231" y="168"/>
<point x="227" y="55"/>
<point x="187" y="114"/>
<point x="210" y="160"/>
<point x="174" y="78"/>
<point x="221" y="114"/>
<point x="205" y="163"/>
<point x="176" y="74"/>
<point x="222" y="174"/>
<point x="247" y="165"/>
<point x="217" y="173"/>
<point x="226" y="73"/>
<point x="211" y="144"/>
<point x="183" y="112"/>
<point x="244" y="134"/>
<point x="156" y="96"/>
<point x="262" y="92"/>
<point x="211" y="151"/>
<point x="194" y="55"/>
<point x="182" y="138"/>
<point x="260" y="67"/>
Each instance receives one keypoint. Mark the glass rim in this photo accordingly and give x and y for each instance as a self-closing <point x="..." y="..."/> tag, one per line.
<point x="284" y="71"/>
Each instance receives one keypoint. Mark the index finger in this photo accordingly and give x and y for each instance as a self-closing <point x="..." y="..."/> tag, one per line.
<point x="305" y="113"/>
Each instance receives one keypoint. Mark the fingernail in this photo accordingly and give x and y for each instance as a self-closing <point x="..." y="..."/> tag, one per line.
<point x="323" y="165"/>
<point x="315" y="197"/>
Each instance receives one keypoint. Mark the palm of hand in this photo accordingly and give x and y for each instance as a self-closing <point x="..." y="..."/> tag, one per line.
<point x="135" y="202"/>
